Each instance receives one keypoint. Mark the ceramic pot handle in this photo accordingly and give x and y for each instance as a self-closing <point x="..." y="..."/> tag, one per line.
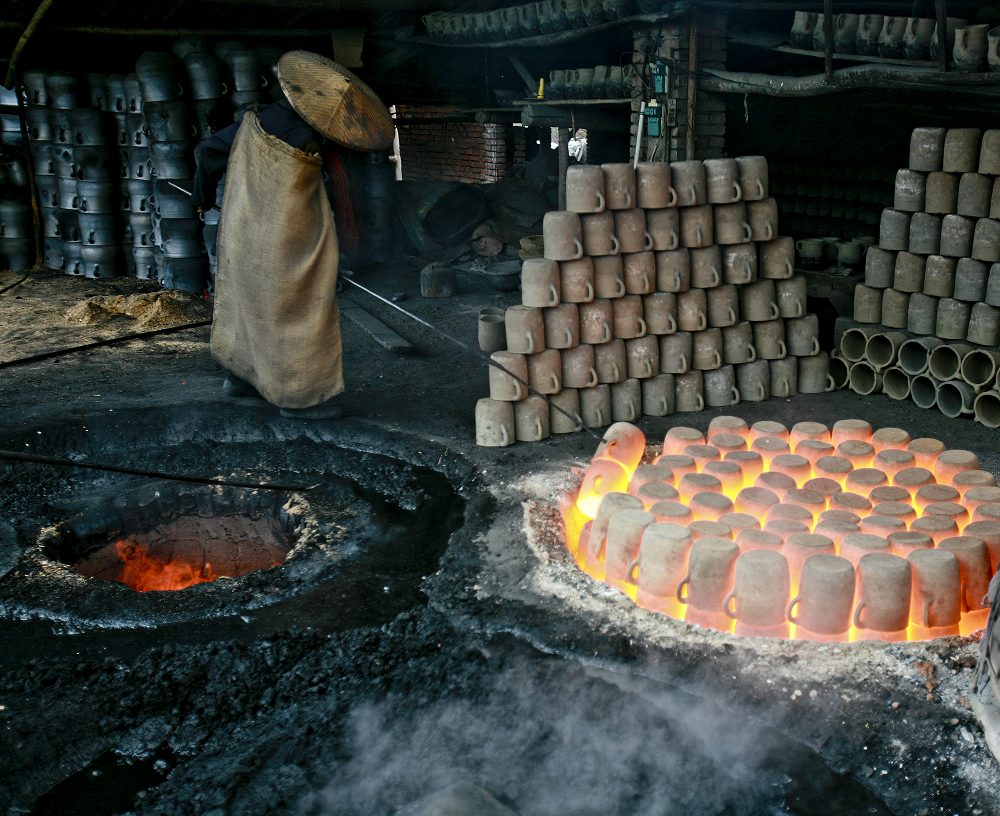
<point x="616" y="372"/>
<point x="649" y="241"/>
<point x="747" y="232"/>
<point x="702" y="321"/>
<point x="600" y="201"/>
<point x="555" y="383"/>
<point x="699" y="235"/>
<point x="593" y="378"/>
<point x="732" y="315"/>
<point x="663" y="408"/>
<point x="814" y="347"/>
<point x="538" y="428"/>
<point x="555" y="295"/>
<point x="795" y="602"/>
<point x="760" y="191"/>
<point x="830" y="384"/>
<point x="648" y="368"/>
<point x="677" y="279"/>
<point x="693" y="192"/>
<point x="717" y="357"/>
<point x="774" y="311"/>
<point x="789" y="267"/>
<point x="671" y="324"/>
<point x="799" y="308"/>
<point x="504" y="436"/>
<point x="679" y="592"/>
<point x="628" y="199"/>
<point x="672" y="198"/>
<point x="642" y="328"/>
<point x="579" y="249"/>
<point x="588" y="292"/>
<point x="753" y="353"/>
<point x="727" y="603"/>
<point x="716" y="278"/>
<point x="631" y="571"/>
<point x="768" y="232"/>
<point x="607" y="332"/>
<point x="699" y="402"/>
<point x="619" y="288"/>
<point x="615" y="246"/>
<point x="600" y="417"/>
<point x="684" y="363"/>
<point x="531" y="342"/>
<point x="674" y="243"/>
<point x="646" y="285"/>
<point x="737" y="190"/>
<point x="782" y="349"/>
<point x="736" y="395"/>
<point x="760" y="391"/>
<point x="632" y="409"/>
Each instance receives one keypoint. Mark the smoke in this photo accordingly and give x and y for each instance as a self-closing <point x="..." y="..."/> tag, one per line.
<point x="547" y="736"/>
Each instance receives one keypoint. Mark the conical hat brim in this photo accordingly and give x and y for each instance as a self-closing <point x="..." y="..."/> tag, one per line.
<point x="335" y="101"/>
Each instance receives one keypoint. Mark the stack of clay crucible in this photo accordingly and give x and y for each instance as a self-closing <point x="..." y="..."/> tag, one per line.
<point x="663" y="287"/>
<point x="936" y="268"/>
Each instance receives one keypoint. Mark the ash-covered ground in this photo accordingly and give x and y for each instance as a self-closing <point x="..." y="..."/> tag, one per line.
<point x="431" y="630"/>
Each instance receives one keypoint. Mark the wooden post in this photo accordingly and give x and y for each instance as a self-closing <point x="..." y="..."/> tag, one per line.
<point x="828" y="35"/>
<point x="563" y="165"/>
<point x="36" y="215"/>
<point x="692" y="86"/>
<point x="941" y="11"/>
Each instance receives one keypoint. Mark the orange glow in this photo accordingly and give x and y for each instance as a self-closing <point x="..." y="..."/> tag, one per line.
<point x="907" y="496"/>
<point x="146" y="573"/>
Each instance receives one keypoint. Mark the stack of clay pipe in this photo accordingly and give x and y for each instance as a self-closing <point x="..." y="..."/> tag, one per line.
<point x="958" y="378"/>
<point x="936" y="269"/>
<point x="663" y="287"/>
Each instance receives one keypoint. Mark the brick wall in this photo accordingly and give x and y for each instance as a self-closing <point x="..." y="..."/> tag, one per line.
<point x="670" y="41"/>
<point x="456" y="151"/>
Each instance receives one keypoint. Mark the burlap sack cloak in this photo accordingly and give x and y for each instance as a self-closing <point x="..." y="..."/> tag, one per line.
<point x="276" y="320"/>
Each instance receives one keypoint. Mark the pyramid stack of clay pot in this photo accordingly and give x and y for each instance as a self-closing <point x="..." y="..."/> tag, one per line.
<point x="934" y="277"/>
<point x="664" y="287"/>
<point x="935" y="270"/>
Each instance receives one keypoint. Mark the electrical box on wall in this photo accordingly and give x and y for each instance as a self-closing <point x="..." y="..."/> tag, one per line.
<point x="661" y="77"/>
<point x="653" y="119"/>
<point x="671" y="112"/>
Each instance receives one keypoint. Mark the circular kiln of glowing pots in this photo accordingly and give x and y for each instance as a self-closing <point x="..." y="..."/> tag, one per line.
<point x="829" y="534"/>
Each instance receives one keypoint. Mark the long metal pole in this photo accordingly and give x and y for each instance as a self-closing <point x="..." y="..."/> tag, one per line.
<point x="692" y="84"/>
<point x="466" y="347"/>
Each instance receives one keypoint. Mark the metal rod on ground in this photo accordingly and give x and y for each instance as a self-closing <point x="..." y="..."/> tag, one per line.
<point x="47" y="355"/>
<point x="17" y="456"/>
<point x="466" y="347"/>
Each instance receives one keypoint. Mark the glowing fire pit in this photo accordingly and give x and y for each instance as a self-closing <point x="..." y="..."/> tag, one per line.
<point x="819" y="533"/>
<point x="170" y="543"/>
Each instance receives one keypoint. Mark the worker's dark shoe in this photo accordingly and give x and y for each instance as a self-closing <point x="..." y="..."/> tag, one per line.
<point x="233" y="386"/>
<point x="325" y="410"/>
<point x="986" y="696"/>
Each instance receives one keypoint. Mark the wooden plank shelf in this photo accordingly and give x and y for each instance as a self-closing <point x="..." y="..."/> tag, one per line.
<point x="670" y="12"/>
<point x="774" y="43"/>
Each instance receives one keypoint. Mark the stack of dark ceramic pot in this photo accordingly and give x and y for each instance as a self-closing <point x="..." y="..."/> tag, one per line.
<point x="16" y="245"/>
<point x="170" y="127"/>
<point x="72" y="140"/>
<point x="664" y="287"/>
<point x="212" y="109"/>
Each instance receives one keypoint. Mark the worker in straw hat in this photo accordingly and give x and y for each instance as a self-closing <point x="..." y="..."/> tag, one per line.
<point x="276" y="328"/>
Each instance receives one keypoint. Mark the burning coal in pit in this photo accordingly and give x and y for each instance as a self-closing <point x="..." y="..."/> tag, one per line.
<point x="174" y="549"/>
<point x="831" y="534"/>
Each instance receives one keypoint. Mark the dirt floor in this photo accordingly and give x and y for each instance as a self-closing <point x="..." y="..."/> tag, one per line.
<point x="429" y="630"/>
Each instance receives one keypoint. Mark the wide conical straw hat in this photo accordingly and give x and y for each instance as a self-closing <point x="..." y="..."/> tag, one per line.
<point x="334" y="101"/>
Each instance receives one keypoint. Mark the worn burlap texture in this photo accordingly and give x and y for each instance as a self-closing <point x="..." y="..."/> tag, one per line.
<point x="276" y="320"/>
